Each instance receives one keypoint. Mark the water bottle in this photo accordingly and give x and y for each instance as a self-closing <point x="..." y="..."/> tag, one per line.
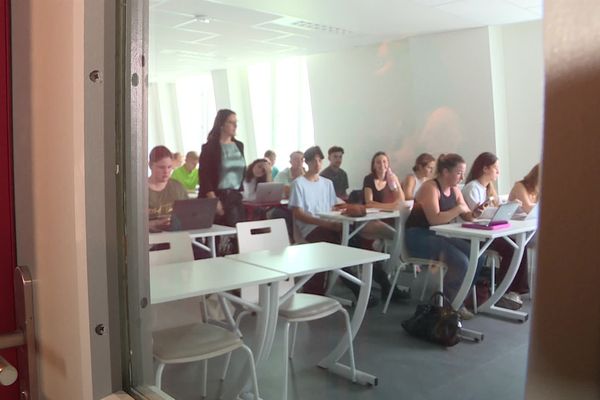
<point x="391" y="180"/>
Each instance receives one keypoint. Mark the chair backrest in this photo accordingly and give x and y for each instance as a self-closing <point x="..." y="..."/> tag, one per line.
<point x="175" y="247"/>
<point x="268" y="234"/>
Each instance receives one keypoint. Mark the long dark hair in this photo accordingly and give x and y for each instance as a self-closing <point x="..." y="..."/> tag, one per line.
<point x="220" y="118"/>
<point x="448" y="161"/>
<point x="250" y="172"/>
<point x="531" y="180"/>
<point x="483" y="160"/>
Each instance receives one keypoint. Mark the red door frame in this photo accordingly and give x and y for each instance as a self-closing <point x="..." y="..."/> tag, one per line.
<point x="7" y="226"/>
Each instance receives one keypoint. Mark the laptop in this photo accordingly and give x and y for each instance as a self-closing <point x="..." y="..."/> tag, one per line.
<point x="193" y="214"/>
<point x="522" y="216"/>
<point x="499" y="219"/>
<point x="269" y="192"/>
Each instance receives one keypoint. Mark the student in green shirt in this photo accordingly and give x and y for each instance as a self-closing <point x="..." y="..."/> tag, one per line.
<point x="187" y="174"/>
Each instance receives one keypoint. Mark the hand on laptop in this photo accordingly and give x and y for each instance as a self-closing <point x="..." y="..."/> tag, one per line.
<point x="220" y="211"/>
<point x="159" y="224"/>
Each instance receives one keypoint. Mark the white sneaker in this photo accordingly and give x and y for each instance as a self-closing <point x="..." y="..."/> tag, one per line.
<point x="513" y="296"/>
<point x="464" y="313"/>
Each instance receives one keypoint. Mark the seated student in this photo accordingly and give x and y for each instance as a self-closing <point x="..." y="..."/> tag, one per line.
<point x="295" y="170"/>
<point x="527" y="190"/>
<point x="439" y="201"/>
<point x="479" y="191"/>
<point x="257" y="172"/>
<point x="422" y="172"/>
<point x="162" y="191"/>
<point x="272" y="157"/>
<point x="310" y="195"/>
<point x="382" y="190"/>
<point x="336" y="174"/>
<point x="187" y="174"/>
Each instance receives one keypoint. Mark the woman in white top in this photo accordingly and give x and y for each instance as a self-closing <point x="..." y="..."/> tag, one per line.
<point x="422" y="171"/>
<point x="479" y="191"/>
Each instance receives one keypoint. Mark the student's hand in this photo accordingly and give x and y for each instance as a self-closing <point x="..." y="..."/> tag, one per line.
<point x="462" y="208"/>
<point x="340" y="206"/>
<point x="479" y="209"/>
<point x="159" y="224"/>
<point x="220" y="210"/>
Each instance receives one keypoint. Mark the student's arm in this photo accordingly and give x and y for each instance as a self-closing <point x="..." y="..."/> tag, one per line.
<point x="519" y="193"/>
<point x="408" y="186"/>
<point x="428" y="196"/>
<point x="305" y="217"/>
<point x="471" y="214"/>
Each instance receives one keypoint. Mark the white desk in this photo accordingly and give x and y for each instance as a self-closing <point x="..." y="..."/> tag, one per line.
<point x="177" y="281"/>
<point x="210" y="233"/>
<point x="311" y="258"/>
<point x="480" y="239"/>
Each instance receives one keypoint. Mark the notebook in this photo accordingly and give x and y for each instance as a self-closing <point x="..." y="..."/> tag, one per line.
<point x="269" y="192"/>
<point x="499" y="219"/>
<point x="193" y="214"/>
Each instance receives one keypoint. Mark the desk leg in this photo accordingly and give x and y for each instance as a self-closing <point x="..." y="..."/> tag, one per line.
<point x="464" y="289"/>
<point x="489" y="306"/>
<point x="395" y="253"/>
<point x="213" y="247"/>
<point x="331" y="362"/>
<point x="266" y="322"/>
<point x="332" y="277"/>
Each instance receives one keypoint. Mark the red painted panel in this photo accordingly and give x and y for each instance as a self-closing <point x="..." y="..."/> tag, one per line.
<point x="7" y="231"/>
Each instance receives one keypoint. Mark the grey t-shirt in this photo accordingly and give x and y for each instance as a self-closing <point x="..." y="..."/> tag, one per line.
<point x="339" y="179"/>
<point x="231" y="171"/>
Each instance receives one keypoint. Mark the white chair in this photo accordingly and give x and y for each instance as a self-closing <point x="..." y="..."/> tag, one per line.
<point x="293" y="307"/>
<point x="406" y="259"/>
<point x="184" y="337"/>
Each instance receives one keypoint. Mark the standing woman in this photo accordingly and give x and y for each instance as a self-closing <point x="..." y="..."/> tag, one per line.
<point x="439" y="201"/>
<point x="527" y="190"/>
<point x="422" y="172"/>
<point x="479" y="191"/>
<point x="222" y="167"/>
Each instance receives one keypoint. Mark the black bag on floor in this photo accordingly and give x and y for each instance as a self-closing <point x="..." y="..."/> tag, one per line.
<point x="437" y="324"/>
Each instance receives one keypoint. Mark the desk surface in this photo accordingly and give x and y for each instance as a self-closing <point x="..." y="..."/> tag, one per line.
<point x="371" y="215"/>
<point x="309" y="258"/>
<point x="456" y="230"/>
<point x="170" y="282"/>
<point x="215" y="230"/>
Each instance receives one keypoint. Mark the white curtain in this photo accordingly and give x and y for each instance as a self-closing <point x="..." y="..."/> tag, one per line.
<point x="180" y="113"/>
<point x="281" y="107"/>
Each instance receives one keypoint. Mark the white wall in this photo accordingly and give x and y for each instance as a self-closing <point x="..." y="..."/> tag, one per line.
<point x="361" y="100"/>
<point x="524" y="78"/>
<point x="467" y="91"/>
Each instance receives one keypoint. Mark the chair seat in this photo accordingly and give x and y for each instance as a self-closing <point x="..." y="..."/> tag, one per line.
<point x="304" y="305"/>
<point x="424" y="261"/>
<point x="195" y="341"/>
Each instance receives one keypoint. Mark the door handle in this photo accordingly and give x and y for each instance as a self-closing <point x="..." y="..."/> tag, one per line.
<point x="23" y="339"/>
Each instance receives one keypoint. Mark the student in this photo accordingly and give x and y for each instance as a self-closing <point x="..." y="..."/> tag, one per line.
<point x="527" y="190"/>
<point x="336" y="174"/>
<point x="310" y="195"/>
<point x="439" y="201"/>
<point x="295" y="170"/>
<point x="422" y="172"/>
<point x="257" y="172"/>
<point x="222" y="168"/>
<point x="177" y="160"/>
<point x="479" y="191"/>
<point x="187" y="174"/>
<point x="162" y="191"/>
<point x="272" y="157"/>
<point x="382" y="190"/>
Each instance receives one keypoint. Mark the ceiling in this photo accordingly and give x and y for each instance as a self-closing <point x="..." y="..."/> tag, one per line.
<point x="189" y="37"/>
